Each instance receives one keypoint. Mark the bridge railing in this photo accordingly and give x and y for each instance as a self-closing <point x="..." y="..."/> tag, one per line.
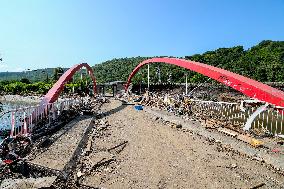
<point x="270" y="121"/>
<point x="22" y="120"/>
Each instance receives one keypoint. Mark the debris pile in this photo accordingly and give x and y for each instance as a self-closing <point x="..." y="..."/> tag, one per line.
<point x="14" y="151"/>
<point x="98" y="158"/>
<point x="184" y="107"/>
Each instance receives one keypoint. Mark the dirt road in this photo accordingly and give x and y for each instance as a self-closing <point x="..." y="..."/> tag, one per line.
<point x="155" y="155"/>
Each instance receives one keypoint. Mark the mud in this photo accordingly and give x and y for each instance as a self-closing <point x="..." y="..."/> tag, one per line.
<point x="159" y="155"/>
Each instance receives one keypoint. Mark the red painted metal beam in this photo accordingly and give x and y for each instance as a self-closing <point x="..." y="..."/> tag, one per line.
<point x="57" y="88"/>
<point x="247" y="86"/>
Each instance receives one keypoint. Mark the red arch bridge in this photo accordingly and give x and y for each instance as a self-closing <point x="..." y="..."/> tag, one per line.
<point x="269" y="96"/>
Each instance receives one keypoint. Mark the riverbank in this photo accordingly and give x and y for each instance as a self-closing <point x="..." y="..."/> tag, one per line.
<point x="20" y="99"/>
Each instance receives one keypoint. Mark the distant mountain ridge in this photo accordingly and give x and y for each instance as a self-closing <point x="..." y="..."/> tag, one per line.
<point x="33" y="75"/>
<point x="263" y="62"/>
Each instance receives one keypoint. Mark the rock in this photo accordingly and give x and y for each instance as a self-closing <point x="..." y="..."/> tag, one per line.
<point x="29" y="183"/>
<point x="258" y="159"/>
<point x="233" y="165"/>
<point x="89" y="145"/>
<point x="176" y="126"/>
<point x="257" y="186"/>
<point x="79" y="174"/>
<point x="281" y="142"/>
<point x="218" y="141"/>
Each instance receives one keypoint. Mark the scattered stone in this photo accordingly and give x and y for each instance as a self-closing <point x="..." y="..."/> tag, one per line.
<point x="258" y="159"/>
<point x="281" y="142"/>
<point x="257" y="186"/>
<point x="28" y="183"/>
<point x="79" y="174"/>
<point x="176" y="126"/>
<point x="233" y="165"/>
<point x="89" y="145"/>
<point x="218" y="141"/>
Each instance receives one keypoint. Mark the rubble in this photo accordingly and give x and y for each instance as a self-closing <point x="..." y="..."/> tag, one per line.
<point x="12" y="149"/>
<point x="13" y="152"/>
<point x="250" y="140"/>
<point x="183" y="106"/>
<point x="28" y="183"/>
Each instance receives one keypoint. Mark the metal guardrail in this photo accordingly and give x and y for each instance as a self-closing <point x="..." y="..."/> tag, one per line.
<point x="22" y="120"/>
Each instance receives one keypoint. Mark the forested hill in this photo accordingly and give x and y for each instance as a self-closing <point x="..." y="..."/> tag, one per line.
<point x="263" y="62"/>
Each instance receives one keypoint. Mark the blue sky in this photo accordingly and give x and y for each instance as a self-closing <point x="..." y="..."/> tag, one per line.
<point x="51" y="33"/>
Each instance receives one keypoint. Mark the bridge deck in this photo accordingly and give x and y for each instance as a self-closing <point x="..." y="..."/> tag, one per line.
<point x="61" y="152"/>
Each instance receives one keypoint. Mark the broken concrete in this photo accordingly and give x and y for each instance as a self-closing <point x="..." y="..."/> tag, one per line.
<point x="28" y="183"/>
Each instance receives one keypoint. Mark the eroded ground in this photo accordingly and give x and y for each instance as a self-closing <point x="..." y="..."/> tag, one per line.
<point x="131" y="149"/>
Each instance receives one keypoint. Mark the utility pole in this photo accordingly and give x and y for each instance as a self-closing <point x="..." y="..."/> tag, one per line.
<point x="28" y="74"/>
<point x="158" y="72"/>
<point x="148" y="77"/>
<point x="186" y="84"/>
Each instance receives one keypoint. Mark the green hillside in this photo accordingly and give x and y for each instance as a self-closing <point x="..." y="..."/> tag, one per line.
<point x="33" y="75"/>
<point x="263" y="62"/>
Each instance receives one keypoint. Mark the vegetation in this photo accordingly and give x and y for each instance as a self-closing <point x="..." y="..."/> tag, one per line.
<point x="263" y="62"/>
<point x="18" y="87"/>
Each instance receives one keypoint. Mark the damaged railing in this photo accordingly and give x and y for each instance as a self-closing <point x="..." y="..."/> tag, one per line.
<point x="269" y="121"/>
<point x="22" y="120"/>
<point x="257" y="116"/>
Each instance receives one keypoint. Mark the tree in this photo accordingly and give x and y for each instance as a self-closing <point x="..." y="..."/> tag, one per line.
<point x="57" y="73"/>
<point x="25" y="80"/>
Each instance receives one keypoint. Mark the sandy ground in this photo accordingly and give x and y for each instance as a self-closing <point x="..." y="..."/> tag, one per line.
<point x="155" y="155"/>
<point x="66" y="142"/>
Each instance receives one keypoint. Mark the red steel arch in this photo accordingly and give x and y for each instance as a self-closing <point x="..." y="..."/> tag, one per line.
<point x="53" y="94"/>
<point x="247" y="86"/>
